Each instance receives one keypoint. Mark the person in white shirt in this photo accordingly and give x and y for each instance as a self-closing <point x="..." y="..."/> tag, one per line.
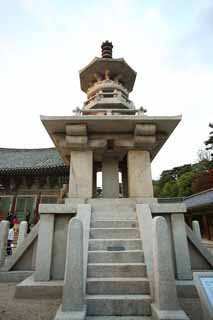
<point x="10" y="240"/>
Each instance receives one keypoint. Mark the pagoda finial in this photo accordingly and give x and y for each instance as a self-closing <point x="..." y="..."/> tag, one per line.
<point x="106" y="49"/>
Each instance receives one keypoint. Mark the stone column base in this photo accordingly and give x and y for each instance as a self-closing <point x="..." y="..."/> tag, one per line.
<point x="70" y="315"/>
<point x="167" y="314"/>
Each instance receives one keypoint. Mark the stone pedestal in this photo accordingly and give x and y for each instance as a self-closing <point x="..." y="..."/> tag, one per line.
<point x="139" y="174"/>
<point x="81" y="174"/>
<point x="44" y="248"/>
<point x="110" y="178"/>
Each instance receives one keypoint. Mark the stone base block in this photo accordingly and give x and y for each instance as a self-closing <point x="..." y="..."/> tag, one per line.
<point x="31" y="289"/>
<point x="14" y="276"/>
<point x="70" y="315"/>
<point x="167" y="314"/>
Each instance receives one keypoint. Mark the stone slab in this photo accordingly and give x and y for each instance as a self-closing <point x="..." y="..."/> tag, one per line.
<point x="165" y="293"/>
<point x="168" y="208"/>
<point x="67" y="208"/>
<point x="204" y="285"/>
<point x="44" y="247"/>
<point x="81" y="174"/>
<point x="14" y="276"/>
<point x="167" y="314"/>
<point x="145" y="226"/>
<point x="70" y="315"/>
<point x="139" y="174"/>
<point x="181" y="249"/>
<point x="31" y="289"/>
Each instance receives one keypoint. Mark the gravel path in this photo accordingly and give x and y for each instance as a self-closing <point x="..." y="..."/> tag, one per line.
<point x="25" y="309"/>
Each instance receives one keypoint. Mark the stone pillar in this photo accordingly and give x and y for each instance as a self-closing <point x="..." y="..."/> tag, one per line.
<point x="73" y="300"/>
<point x="110" y="181"/>
<point x="139" y="174"/>
<point x="183" y="263"/>
<point x="22" y="232"/>
<point x="196" y="229"/>
<point x="81" y="174"/>
<point x="44" y="248"/>
<point x="4" y="229"/>
<point x="166" y="305"/>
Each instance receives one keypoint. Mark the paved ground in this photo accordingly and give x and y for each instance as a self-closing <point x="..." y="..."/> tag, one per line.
<point x="21" y="309"/>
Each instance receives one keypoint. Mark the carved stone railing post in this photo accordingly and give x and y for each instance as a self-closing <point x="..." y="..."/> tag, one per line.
<point x="4" y="229"/>
<point x="73" y="301"/>
<point x="166" y="305"/>
<point x="22" y="232"/>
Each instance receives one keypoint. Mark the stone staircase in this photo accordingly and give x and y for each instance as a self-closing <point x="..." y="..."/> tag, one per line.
<point x="117" y="284"/>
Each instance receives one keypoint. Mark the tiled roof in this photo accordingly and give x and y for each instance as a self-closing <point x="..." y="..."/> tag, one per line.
<point x="29" y="159"/>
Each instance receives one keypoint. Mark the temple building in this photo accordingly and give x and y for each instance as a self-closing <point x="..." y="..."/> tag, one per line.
<point x="29" y="177"/>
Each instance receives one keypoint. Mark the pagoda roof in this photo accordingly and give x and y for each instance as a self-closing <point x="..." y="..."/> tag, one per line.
<point x="29" y="160"/>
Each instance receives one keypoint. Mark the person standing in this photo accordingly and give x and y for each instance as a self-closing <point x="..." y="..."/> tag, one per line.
<point x="15" y="222"/>
<point x="10" y="240"/>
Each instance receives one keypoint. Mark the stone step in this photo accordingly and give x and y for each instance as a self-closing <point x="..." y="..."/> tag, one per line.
<point x="119" y="305"/>
<point x="114" y="224"/>
<point x="114" y="233"/>
<point x="118" y="286"/>
<point x="118" y="318"/>
<point x="101" y="270"/>
<point x="111" y="244"/>
<point x="115" y="256"/>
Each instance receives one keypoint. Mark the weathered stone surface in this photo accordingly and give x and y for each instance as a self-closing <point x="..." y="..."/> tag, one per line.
<point x="145" y="226"/>
<point x="146" y="140"/>
<point x="59" y="246"/>
<point x="166" y="305"/>
<point x="110" y="178"/>
<point x="84" y="214"/>
<point x="75" y="141"/>
<point x="168" y="207"/>
<point x="196" y="229"/>
<point x="139" y="174"/>
<point x="165" y="287"/>
<point x="4" y="229"/>
<point x="183" y="263"/>
<point x="76" y="130"/>
<point x="73" y="292"/>
<point x="22" y="232"/>
<point x="81" y="174"/>
<point x="145" y="129"/>
<point x="44" y="249"/>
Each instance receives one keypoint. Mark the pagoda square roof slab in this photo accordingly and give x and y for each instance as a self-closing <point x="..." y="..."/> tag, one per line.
<point x="115" y="124"/>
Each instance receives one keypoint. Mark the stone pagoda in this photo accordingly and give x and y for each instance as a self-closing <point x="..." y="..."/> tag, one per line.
<point x="109" y="134"/>
<point x="123" y="253"/>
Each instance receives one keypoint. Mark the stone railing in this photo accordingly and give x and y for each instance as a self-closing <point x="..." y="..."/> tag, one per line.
<point x="6" y="251"/>
<point x="74" y="289"/>
<point x="157" y="246"/>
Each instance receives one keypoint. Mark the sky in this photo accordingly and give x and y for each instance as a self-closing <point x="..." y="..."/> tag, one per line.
<point x="44" y="43"/>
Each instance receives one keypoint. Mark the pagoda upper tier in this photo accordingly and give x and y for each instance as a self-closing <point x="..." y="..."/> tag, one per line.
<point x="107" y="81"/>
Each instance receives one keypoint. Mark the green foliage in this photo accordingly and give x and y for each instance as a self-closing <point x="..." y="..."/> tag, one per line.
<point x="170" y="189"/>
<point x="209" y="142"/>
<point x="184" y="183"/>
<point x="185" y="180"/>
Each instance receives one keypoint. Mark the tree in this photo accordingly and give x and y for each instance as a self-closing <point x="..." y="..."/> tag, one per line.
<point x="209" y="142"/>
<point x="184" y="183"/>
<point x="170" y="190"/>
<point x="202" y="181"/>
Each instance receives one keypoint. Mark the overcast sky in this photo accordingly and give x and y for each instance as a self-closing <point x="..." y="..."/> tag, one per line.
<point x="44" y="43"/>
